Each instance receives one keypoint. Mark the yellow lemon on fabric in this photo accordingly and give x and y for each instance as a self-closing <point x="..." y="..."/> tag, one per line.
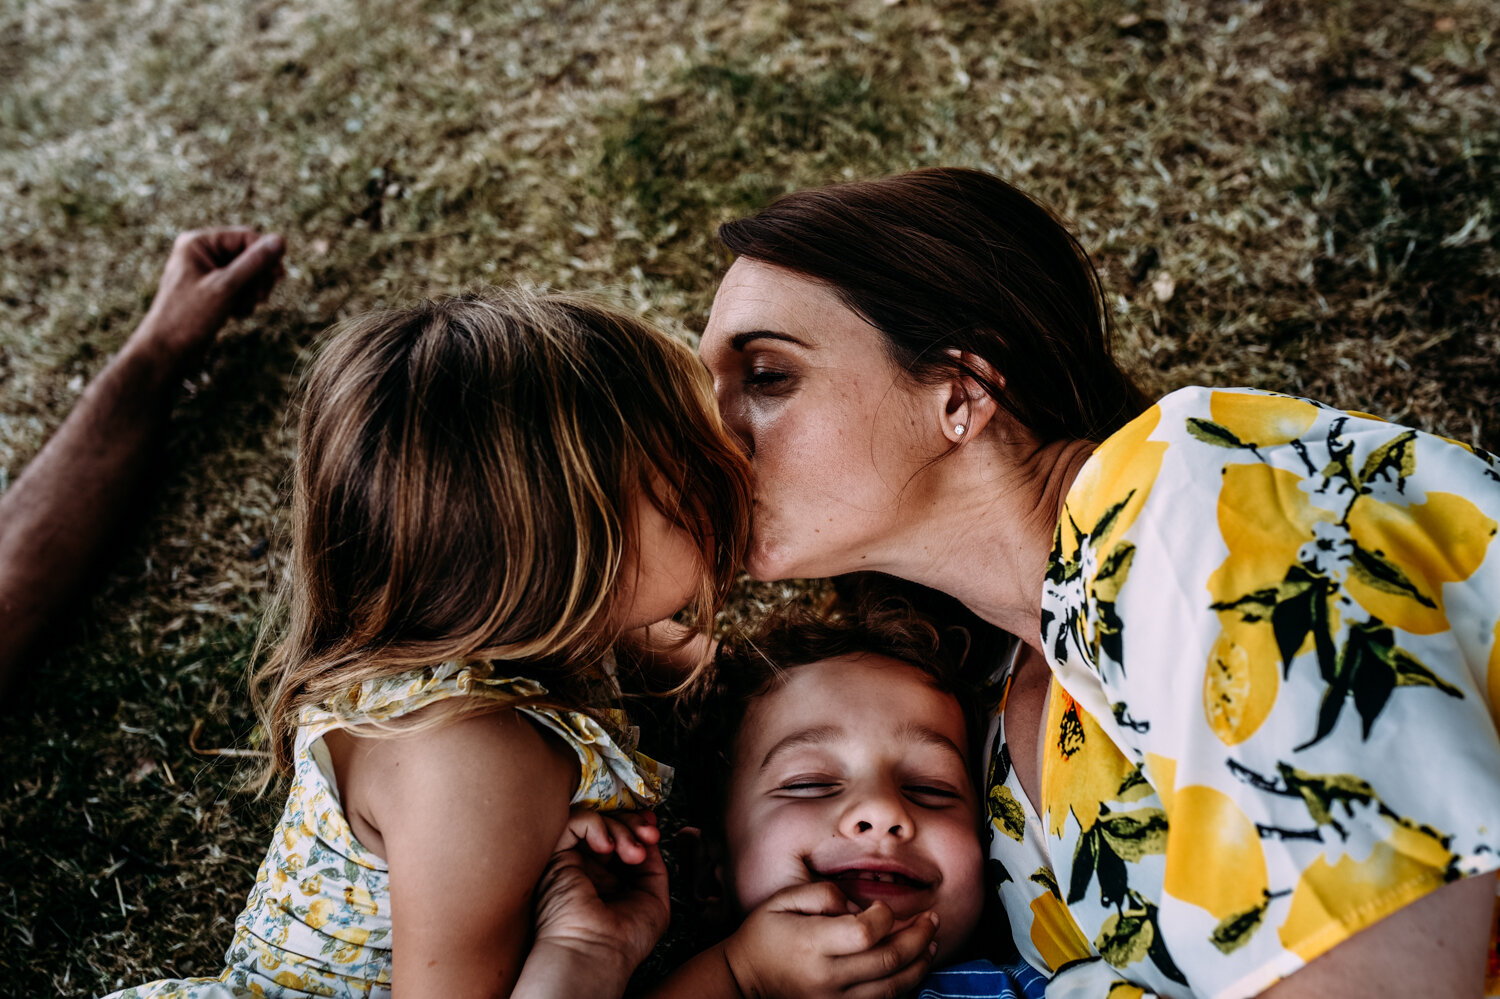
<point x="359" y="899"/>
<point x="1440" y="541"/>
<point x="1124" y="466"/>
<point x="355" y="936"/>
<point x="1214" y="856"/>
<point x="1081" y="768"/>
<point x="1124" y="990"/>
<point x="1264" y="519"/>
<point x="1261" y="420"/>
<point x="290" y="980"/>
<point x="1161" y="771"/>
<point x="319" y="912"/>
<point x="1241" y="680"/>
<point x="1334" y="901"/>
<point x="1055" y="935"/>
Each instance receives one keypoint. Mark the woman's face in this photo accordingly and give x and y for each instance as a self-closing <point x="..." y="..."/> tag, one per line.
<point x="835" y="433"/>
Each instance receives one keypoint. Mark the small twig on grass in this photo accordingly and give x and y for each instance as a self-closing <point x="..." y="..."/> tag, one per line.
<point x="252" y="754"/>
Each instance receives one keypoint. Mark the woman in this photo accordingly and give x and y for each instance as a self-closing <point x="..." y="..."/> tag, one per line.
<point x="1251" y="704"/>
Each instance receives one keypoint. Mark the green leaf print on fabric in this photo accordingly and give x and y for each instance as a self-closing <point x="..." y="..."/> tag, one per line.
<point x="1043" y="876"/>
<point x="1236" y="929"/>
<point x="1374" y="569"/>
<point x="1125" y="938"/>
<point x="1133" y="835"/>
<point x="1005" y="811"/>
<point x="1133" y="934"/>
<point x="1369" y="668"/>
<point x="1349" y="549"/>
<point x="1106" y="847"/>
<point x="1397" y="457"/>
<point x="1213" y="433"/>
<point x="1104" y="588"/>
<point x="1325" y="795"/>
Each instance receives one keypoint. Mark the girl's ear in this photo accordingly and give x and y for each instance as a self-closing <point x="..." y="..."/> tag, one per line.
<point x="965" y="406"/>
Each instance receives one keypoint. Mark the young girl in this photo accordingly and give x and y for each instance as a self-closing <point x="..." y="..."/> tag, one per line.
<point x="490" y="491"/>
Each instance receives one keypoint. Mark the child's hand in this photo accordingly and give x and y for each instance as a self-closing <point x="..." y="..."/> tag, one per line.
<point x="810" y="940"/>
<point x="603" y="897"/>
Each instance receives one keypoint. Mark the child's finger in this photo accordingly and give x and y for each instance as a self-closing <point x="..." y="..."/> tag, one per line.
<point x="856" y="934"/>
<point x="878" y="920"/>
<point x="896" y="954"/>
<point x="627" y="845"/>
<point x="642" y="825"/>
<point x="815" y="898"/>
<point x="587" y="827"/>
<point x="898" y="984"/>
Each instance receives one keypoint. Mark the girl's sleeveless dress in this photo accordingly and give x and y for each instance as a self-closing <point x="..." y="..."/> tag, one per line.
<point x="318" y="920"/>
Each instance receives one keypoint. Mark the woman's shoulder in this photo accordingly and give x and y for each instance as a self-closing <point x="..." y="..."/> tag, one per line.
<point x="1189" y="451"/>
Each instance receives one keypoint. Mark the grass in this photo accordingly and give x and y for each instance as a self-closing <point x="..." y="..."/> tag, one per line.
<point x="1294" y="196"/>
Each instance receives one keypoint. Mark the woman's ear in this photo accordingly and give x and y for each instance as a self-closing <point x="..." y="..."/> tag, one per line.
<point x="966" y="405"/>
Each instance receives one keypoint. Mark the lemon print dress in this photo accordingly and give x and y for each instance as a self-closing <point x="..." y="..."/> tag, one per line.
<point x="1272" y="628"/>
<point x="318" y="920"/>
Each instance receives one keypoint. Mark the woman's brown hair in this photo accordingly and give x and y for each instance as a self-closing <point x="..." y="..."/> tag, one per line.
<point x="946" y="261"/>
<point x="465" y="489"/>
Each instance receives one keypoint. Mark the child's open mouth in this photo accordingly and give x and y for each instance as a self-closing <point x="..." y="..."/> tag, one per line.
<point x="864" y="885"/>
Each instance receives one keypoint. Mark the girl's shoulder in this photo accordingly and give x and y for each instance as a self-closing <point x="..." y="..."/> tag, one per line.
<point x="380" y="700"/>
<point x="612" y="774"/>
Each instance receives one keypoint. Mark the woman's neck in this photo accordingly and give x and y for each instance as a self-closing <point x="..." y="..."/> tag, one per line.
<point x="987" y="531"/>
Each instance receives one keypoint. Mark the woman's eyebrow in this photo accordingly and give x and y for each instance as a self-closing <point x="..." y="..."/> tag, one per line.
<point x="740" y="340"/>
<point x="804" y="737"/>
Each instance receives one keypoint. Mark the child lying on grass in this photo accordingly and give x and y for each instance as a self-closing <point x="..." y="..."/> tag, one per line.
<point x="842" y="760"/>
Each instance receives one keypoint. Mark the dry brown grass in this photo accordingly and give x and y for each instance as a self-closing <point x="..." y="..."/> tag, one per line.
<point x="1294" y="196"/>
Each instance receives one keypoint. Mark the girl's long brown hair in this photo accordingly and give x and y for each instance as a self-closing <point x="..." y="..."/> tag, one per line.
<point x="465" y="489"/>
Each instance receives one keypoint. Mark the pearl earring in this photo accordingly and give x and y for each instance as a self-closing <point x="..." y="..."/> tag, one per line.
<point x="958" y="429"/>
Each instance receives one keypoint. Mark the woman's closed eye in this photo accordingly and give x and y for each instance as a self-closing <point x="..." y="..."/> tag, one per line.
<point x="766" y="379"/>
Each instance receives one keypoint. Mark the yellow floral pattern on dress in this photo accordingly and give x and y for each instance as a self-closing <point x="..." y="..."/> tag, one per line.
<point x="1274" y="629"/>
<point x="317" y="922"/>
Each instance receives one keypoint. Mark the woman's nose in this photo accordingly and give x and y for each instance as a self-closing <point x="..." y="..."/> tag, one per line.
<point x="732" y="411"/>
<point x="881" y="812"/>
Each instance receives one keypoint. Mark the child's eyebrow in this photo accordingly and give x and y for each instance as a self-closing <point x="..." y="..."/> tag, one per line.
<point x="804" y="737"/>
<point x="819" y="734"/>
<point x="931" y="737"/>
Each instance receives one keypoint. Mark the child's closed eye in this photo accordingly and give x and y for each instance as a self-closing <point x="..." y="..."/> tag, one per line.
<point x="809" y="787"/>
<point x="935" y="794"/>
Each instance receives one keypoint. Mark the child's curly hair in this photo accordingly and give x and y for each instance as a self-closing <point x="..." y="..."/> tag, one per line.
<point x="750" y="664"/>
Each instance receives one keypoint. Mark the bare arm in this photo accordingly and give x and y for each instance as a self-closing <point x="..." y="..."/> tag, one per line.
<point x="468" y="814"/>
<point x="1433" y="947"/>
<point x="57" y="519"/>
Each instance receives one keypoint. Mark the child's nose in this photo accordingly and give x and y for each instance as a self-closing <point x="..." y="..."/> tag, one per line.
<point x="879" y="813"/>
